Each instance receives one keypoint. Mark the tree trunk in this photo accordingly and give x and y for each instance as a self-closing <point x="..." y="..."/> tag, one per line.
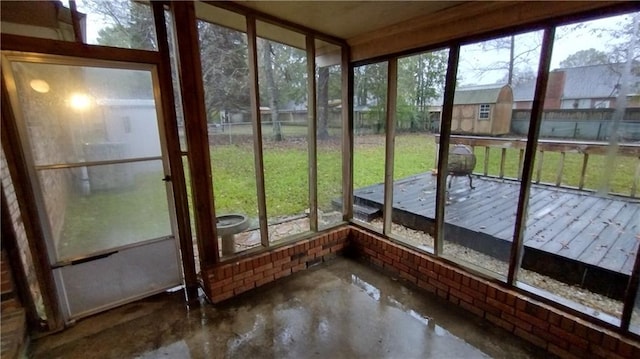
<point x="272" y="91"/>
<point x="323" y="103"/>
<point x="511" y="59"/>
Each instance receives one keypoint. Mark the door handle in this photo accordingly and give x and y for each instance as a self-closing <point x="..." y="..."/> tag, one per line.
<point x="167" y="178"/>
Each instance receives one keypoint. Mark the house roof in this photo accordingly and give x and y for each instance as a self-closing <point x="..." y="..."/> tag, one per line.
<point x="595" y="81"/>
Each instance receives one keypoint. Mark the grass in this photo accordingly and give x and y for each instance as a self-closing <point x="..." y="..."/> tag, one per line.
<point x="121" y="216"/>
<point x="111" y="218"/>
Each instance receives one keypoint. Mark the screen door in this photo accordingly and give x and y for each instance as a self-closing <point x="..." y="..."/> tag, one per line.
<point x="92" y="136"/>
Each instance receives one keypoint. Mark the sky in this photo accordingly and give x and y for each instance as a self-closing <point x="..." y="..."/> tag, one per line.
<point x="570" y="39"/>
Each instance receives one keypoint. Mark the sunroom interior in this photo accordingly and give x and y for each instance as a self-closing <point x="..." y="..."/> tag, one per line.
<point x="486" y="153"/>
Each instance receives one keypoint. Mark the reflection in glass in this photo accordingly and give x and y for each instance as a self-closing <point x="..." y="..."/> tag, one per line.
<point x="79" y="132"/>
<point x="95" y="208"/>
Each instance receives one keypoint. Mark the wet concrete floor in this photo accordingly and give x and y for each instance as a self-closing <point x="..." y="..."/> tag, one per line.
<point x="339" y="309"/>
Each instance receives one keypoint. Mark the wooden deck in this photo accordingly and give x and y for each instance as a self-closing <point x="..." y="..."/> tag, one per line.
<point x="601" y="232"/>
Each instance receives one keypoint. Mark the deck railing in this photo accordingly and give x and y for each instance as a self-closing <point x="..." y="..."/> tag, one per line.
<point x="631" y="153"/>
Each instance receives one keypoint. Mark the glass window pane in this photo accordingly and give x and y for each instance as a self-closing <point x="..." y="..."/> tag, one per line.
<point x="581" y="240"/>
<point x="223" y="54"/>
<point x="369" y="124"/>
<point x="329" y="137"/>
<point x="94" y="114"/>
<point x="485" y="156"/>
<point x="282" y="70"/>
<point x="77" y="121"/>
<point x="96" y="208"/>
<point x="421" y="80"/>
<point x="118" y="23"/>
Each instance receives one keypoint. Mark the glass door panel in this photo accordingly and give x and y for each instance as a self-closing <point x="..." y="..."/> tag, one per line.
<point x="93" y="145"/>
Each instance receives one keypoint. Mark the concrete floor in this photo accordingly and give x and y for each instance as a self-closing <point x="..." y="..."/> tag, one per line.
<point x="339" y="309"/>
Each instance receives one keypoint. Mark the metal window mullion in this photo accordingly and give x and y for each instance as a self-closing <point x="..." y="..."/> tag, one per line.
<point x="392" y="93"/>
<point x="517" y="246"/>
<point x="312" y="140"/>
<point x="347" y="135"/>
<point x="443" y="151"/>
<point x="257" y="129"/>
<point x="58" y="166"/>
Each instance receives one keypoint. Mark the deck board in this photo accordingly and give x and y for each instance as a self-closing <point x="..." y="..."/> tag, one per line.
<point x="598" y="231"/>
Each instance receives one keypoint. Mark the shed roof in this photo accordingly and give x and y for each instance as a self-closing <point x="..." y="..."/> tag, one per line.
<point x="477" y="95"/>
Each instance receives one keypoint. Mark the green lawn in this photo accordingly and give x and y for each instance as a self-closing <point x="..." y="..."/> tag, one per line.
<point x="141" y="210"/>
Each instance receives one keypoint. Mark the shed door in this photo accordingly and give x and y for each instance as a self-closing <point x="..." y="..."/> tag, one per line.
<point x="92" y="139"/>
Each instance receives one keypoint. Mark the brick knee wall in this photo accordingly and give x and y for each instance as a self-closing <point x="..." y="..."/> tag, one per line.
<point x="558" y="332"/>
<point x="229" y="279"/>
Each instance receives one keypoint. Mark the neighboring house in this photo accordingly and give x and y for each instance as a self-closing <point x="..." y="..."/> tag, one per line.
<point x="482" y="110"/>
<point x="584" y="87"/>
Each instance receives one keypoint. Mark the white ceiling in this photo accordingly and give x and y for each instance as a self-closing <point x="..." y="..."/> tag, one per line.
<point x="347" y="19"/>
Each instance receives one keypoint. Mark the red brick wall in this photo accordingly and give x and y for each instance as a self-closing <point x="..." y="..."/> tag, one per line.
<point x="230" y="279"/>
<point x="552" y="329"/>
<point x="558" y="332"/>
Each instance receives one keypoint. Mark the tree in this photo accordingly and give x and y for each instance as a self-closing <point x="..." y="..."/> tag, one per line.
<point x="323" y="103"/>
<point x="421" y="80"/>
<point x="131" y="24"/>
<point x="223" y="54"/>
<point x="585" y="58"/>
<point x="283" y="79"/>
<point x="523" y="50"/>
<point x="271" y="88"/>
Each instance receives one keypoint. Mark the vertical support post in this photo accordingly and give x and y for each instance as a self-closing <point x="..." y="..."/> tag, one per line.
<point x="392" y="93"/>
<point x="539" y="170"/>
<point x="178" y="183"/>
<point x="195" y="121"/>
<point x="312" y="133"/>
<point x="560" y="169"/>
<point x="347" y="135"/>
<point x="503" y="158"/>
<point x="256" y="122"/>
<point x="583" y="173"/>
<point x="445" y="138"/>
<point x="520" y="158"/>
<point x="517" y="247"/>
<point x="486" y="160"/>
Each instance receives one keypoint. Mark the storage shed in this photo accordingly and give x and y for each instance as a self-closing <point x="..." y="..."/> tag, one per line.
<point x="482" y="111"/>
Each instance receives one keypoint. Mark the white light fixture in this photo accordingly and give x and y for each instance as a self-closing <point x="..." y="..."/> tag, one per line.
<point x="40" y="86"/>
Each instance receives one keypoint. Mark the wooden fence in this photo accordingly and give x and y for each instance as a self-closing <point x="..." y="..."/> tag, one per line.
<point x="585" y="149"/>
